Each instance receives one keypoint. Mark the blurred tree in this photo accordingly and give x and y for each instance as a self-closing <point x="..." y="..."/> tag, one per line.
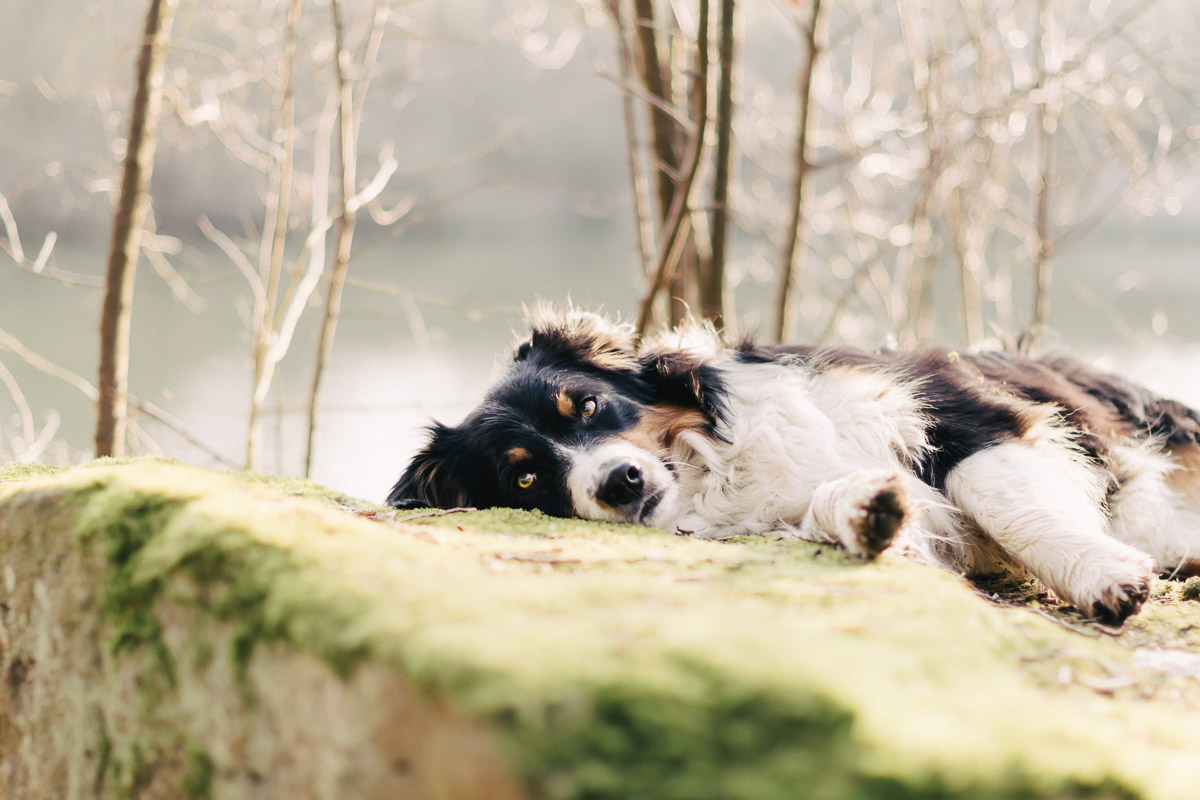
<point x="833" y="169"/>
<point x="677" y="222"/>
<point x="348" y="125"/>
<point x="960" y="146"/>
<point x="812" y="35"/>
<point x="711" y="271"/>
<point x="283" y="283"/>
<point x="130" y="217"/>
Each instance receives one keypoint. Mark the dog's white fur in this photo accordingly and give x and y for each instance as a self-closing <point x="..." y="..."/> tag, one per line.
<point x="807" y="452"/>
<point x="833" y="448"/>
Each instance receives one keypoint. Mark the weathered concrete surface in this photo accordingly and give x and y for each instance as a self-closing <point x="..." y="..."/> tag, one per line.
<point x="167" y="631"/>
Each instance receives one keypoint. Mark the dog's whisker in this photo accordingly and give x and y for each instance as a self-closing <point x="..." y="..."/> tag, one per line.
<point x="681" y="464"/>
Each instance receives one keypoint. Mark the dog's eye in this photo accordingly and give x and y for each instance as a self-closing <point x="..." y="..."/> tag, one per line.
<point x="526" y="480"/>
<point x="588" y="407"/>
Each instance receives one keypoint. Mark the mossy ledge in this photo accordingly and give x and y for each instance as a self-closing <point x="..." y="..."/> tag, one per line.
<point x="167" y="631"/>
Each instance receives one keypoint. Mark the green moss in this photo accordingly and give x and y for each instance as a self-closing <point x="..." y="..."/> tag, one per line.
<point x="1190" y="589"/>
<point x="729" y="742"/>
<point x="624" y="742"/>
<point x="16" y="472"/>
<point x="514" y="522"/>
<point x="139" y="771"/>
<point x="202" y="655"/>
<point x="306" y="489"/>
<point x="198" y="780"/>
<point x="103" y="752"/>
<point x="230" y="597"/>
<point x="121" y="523"/>
<point x="618" y="662"/>
<point x="244" y="583"/>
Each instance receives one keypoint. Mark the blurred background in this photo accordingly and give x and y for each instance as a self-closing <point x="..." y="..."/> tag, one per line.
<point x="1014" y="173"/>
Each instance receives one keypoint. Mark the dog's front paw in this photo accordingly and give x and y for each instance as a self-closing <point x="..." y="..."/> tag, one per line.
<point x="861" y="512"/>
<point x="881" y="518"/>
<point x="875" y="512"/>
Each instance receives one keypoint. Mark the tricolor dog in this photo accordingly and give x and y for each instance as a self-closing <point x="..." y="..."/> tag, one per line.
<point x="985" y="463"/>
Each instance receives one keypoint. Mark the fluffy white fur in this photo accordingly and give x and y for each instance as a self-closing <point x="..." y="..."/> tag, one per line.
<point x="1044" y="508"/>
<point x="791" y="431"/>
<point x="831" y="447"/>
<point x="1147" y="513"/>
<point x="808" y="452"/>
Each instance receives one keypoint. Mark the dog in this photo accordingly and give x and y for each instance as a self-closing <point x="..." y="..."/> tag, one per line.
<point x="988" y="464"/>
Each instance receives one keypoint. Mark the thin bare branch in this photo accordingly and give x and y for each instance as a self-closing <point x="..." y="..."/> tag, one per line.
<point x="294" y="308"/>
<point x="11" y="246"/>
<point x="274" y="239"/>
<point x="236" y="256"/>
<point x="793" y="246"/>
<point x="24" y="412"/>
<point x="1044" y="124"/>
<point x="169" y="421"/>
<point x="349" y="111"/>
<point x="13" y="345"/>
<point x="662" y="126"/>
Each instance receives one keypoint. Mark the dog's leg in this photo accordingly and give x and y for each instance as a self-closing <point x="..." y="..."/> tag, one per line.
<point x="1152" y="508"/>
<point x="861" y="512"/>
<point x="1043" y="506"/>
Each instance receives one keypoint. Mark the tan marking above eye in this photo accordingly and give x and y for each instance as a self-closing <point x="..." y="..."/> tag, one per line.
<point x="517" y="454"/>
<point x="566" y="406"/>
<point x="527" y="480"/>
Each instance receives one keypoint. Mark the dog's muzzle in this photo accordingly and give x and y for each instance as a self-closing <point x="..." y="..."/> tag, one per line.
<point x="620" y="483"/>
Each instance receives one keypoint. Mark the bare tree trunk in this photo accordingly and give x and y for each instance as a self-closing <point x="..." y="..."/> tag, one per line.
<point x="643" y="225"/>
<point x="1045" y="126"/>
<point x="663" y="129"/>
<point x="677" y="226"/>
<point x="113" y="400"/>
<point x="683" y="296"/>
<point x="793" y="245"/>
<point x="712" y="276"/>
<point x="274" y="239"/>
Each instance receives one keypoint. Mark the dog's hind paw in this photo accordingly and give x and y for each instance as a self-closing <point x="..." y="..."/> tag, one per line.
<point x="1110" y="583"/>
<point x="1121" y="602"/>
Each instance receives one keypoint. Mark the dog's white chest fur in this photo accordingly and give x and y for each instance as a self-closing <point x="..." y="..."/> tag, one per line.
<point x="789" y="431"/>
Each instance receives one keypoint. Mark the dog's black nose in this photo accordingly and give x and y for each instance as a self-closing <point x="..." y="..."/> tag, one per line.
<point x="622" y="484"/>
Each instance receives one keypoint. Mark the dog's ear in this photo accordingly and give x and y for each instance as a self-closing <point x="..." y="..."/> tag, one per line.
<point x="678" y="367"/>
<point x="579" y="336"/>
<point x="434" y="478"/>
<point x="678" y="379"/>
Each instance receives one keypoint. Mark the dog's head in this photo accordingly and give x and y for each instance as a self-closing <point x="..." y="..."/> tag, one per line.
<point x="581" y="424"/>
